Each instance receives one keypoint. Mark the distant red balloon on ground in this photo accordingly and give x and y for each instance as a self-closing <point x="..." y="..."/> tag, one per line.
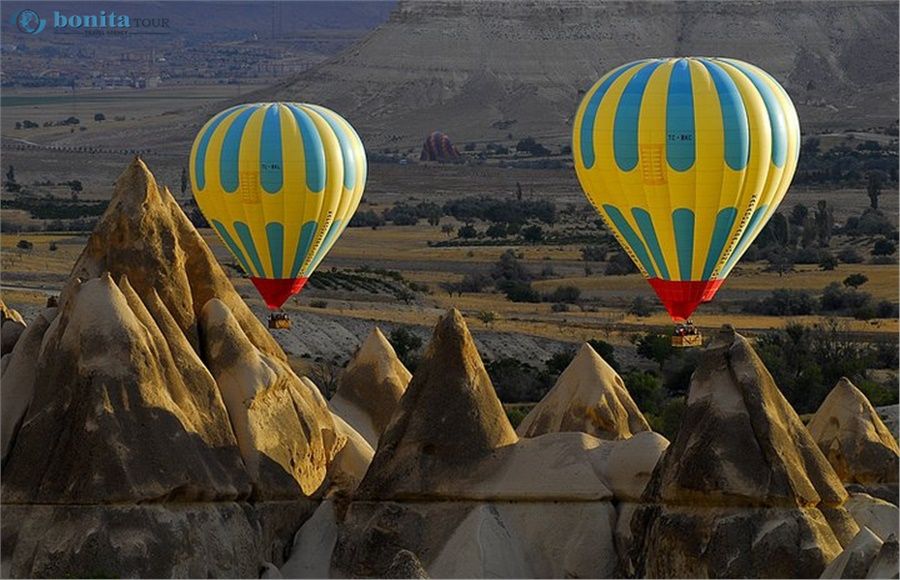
<point x="438" y="147"/>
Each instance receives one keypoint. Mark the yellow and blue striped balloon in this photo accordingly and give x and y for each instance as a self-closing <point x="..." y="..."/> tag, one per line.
<point x="278" y="182"/>
<point x="686" y="159"/>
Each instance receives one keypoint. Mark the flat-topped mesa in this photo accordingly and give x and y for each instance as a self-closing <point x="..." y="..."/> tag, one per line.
<point x="145" y="235"/>
<point x="853" y="437"/>
<point x="448" y="421"/>
<point x="370" y="387"/>
<point x="742" y="480"/>
<point x="590" y="397"/>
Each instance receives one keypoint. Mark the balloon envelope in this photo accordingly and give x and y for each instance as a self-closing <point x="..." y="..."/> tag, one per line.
<point x="686" y="159"/>
<point x="278" y="182"/>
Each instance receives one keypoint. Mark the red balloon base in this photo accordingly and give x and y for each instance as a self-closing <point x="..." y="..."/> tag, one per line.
<point x="276" y="291"/>
<point x="682" y="298"/>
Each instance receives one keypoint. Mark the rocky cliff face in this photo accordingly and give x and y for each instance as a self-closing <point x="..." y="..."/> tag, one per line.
<point x="743" y="490"/>
<point x="480" y="71"/>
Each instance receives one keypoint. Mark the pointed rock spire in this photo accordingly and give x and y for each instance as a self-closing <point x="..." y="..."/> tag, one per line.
<point x="145" y="235"/>
<point x="449" y="419"/>
<point x="853" y="437"/>
<point x="741" y="482"/>
<point x="590" y="397"/>
<point x="370" y="387"/>
<point x="113" y="419"/>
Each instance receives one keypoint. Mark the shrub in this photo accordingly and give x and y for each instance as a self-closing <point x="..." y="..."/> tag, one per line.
<point x="668" y="420"/>
<point x="640" y="307"/>
<point x="593" y="253"/>
<point x="516" y="413"/>
<point x="883" y="260"/>
<point x="607" y="352"/>
<point x="533" y="234"/>
<point x="849" y="256"/>
<point x="783" y="302"/>
<point x="518" y="382"/>
<point x="557" y="363"/>
<point x="319" y="303"/>
<point x="519" y="291"/>
<point x="467" y="232"/>
<point x="655" y="347"/>
<point x="828" y="262"/>
<point x="405" y="344"/>
<point x="24" y="245"/>
<point x="646" y="390"/>
<point x="619" y="265"/>
<point x="883" y="247"/>
<point x="559" y="307"/>
<point x="837" y="298"/>
<point x="855" y="280"/>
<point x="887" y="309"/>
<point x="564" y="294"/>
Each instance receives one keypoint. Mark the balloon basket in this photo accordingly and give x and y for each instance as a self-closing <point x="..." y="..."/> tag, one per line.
<point x="279" y="321"/>
<point x="686" y="336"/>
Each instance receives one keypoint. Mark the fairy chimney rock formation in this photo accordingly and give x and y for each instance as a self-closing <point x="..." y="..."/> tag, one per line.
<point x="590" y="397"/>
<point x="743" y="490"/>
<point x="448" y="421"/>
<point x="853" y="437"/>
<point x="370" y="387"/>
<point x="145" y="235"/>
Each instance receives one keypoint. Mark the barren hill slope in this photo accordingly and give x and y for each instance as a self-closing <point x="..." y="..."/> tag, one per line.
<point x="480" y="71"/>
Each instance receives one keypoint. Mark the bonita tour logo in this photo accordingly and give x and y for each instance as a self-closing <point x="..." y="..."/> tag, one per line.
<point x="29" y="21"/>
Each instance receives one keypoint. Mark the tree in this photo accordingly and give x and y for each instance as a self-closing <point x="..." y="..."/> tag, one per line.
<point x="533" y="233"/>
<point x="565" y="295"/>
<point x="874" y="182"/>
<point x="640" y="307"/>
<point x="325" y="375"/>
<point x="655" y="347"/>
<point x="798" y="214"/>
<point x="10" y="183"/>
<point x="607" y="352"/>
<point x="99" y="117"/>
<point x="883" y="247"/>
<point x="488" y="317"/>
<point x="24" y="245"/>
<point x="519" y="291"/>
<point x="184" y="180"/>
<point x="824" y="223"/>
<point x="855" y="280"/>
<point x="467" y="232"/>
<point x="495" y="231"/>
<point x="405" y="344"/>
<point x="447" y="229"/>
<point x="828" y="262"/>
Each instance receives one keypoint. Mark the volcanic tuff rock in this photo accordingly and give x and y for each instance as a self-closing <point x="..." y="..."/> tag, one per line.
<point x="881" y="517"/>
<point x="451" y="484"/>
<point x="11" y="327"/>
<point x="589" y="396"/>
<point x="743" y="490"/>
<point x="18" y="376"/>
<point x="126" y="429"/>
<point x="285" y="433"/>
<point x="482" y="70"/>
<point x="145" y="235"/>
<point x="459" y="423"/>
<point x="370" y="387"/>
<point x="853" y="437"/>
<point x="113" y="418"/>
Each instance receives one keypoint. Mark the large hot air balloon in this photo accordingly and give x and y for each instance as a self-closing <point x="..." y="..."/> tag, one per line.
<point x="686" y="159"/>
<point x="278" y="182"/>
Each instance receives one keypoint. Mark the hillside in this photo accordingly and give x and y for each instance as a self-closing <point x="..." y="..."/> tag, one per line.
<point x="480" y="71"/>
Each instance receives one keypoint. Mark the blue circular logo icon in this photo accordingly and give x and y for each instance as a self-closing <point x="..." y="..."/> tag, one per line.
<point x="29" y="22"/>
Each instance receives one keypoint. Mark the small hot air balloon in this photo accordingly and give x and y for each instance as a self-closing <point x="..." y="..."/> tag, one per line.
<point x="278" y="182"/>
<point x="686" y="159"/>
